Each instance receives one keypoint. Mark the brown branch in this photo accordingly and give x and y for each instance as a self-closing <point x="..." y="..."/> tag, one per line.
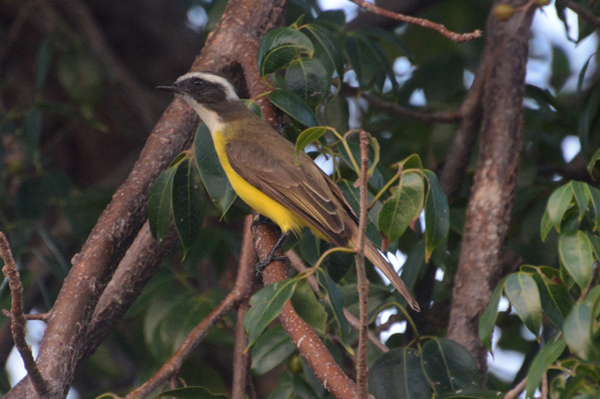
<point x="396" y="109"/>
<point x="490" y="205"/>
<point x="135" y="269"/>
<point x="38" y="316"/>
<point x="241" y="292"/>
<point x="516" y="391"/>
<point x="362" y="369"/>
<point x="18" y="320"/>
<point x="456" y="37"/>
<point x="581" y="11"/>
<point x="302" y="335"/>
<point x="467" y="131"/>
<point x="241" y="358"/>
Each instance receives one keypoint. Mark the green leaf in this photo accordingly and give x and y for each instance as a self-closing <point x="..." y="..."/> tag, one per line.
<point x="582" y="197"/>
<point x="594" y="212"/>
<point x="411" y="162"/>
<point x="522" y="292"/>
<point x="266" y="306"/>
<point x="397" y="374"/>
<point x="308" y="79"/>
<point x="556" y="302"/>
<point x="587" y="117"/>
<point x="308" y="307"/>
<point x="365" y="59"/>
<point x="488" y="318"/>
<point x="546" y="225"/>
<point x="326" y="49"/>
<point x="270" y="350"/>
<point x="558" y="203"/>
<point x="449" y="367"/>
<point x="437" y="215"/>
<point x="405" y="205"/>
<point x="190" y="393"/>
<point x="541" y="362"/>
<point x="293" y="105"/>
<point x="337" y="306"/>
<point x="575" y="251"/>
<point x="281" y="46"/>
<point x="580" y="327"/>
<point x="307" y="137"/>
<point x="592" y="163"/>
<point x="213" y="176"/>
<point x="159" y="204"/>
<point x="187" y="203"/>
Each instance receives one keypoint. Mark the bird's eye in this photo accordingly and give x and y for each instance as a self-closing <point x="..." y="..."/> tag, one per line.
<point x="197" y="82"/>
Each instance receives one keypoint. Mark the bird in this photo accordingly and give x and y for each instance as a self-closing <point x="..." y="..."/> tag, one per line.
<point x="263" y="170"/>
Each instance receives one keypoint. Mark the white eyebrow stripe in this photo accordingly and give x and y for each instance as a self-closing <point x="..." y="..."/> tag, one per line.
<point x="209" y="77"/>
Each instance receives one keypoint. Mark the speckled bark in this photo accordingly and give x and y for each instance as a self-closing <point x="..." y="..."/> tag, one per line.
<point x="66" y="333"/>
<point x="491" y="200"/>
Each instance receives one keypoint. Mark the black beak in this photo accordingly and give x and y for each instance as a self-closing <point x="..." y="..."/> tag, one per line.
<point x="171" y="88"/>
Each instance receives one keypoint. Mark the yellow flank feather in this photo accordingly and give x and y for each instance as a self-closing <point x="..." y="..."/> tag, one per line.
<point x="260" y="202"/>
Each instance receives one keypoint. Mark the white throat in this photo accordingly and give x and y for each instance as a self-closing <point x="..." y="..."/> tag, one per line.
<point x="212" y="120"/>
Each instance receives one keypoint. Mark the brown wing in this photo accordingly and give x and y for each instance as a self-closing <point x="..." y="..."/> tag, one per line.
<point x="304" y="189"/>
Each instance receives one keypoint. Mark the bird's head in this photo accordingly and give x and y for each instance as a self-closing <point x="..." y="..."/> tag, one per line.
<point x="211" y="95"/>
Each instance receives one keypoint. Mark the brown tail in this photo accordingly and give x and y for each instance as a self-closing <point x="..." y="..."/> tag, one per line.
<point x="382" y="264"/>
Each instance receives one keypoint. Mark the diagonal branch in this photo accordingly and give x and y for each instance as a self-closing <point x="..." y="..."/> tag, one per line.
<point x="456" y="37"/>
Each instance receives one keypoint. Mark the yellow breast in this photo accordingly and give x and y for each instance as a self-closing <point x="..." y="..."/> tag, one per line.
<point x="260" y="202"/>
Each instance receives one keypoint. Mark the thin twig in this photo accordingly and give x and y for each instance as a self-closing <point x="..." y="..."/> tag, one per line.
<point x="456" y="37"/>
<point x="396" y="109"/>
<point x="362" y="372"/>
<point x="544" y="386"/>
<point x="18" y="320"/>
<point x="516" y="391"/>
<point x="38" y="316"/>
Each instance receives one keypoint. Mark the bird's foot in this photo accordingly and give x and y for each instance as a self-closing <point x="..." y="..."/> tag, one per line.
<point x="260" y="266"/>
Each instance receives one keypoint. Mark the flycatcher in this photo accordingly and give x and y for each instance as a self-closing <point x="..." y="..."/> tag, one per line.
<point x="261" y="166"/>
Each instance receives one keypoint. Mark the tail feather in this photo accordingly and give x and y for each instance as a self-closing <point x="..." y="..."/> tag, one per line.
<point x="382" y="264"/>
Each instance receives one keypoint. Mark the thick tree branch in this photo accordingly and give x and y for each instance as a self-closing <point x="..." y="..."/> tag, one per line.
<point x="489" y="210"/>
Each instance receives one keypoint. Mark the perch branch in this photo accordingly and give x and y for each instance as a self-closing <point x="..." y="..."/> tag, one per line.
<point x="302" y="335"/>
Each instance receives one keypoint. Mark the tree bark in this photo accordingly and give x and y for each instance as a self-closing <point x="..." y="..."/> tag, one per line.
<point x="489" y="210"/>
